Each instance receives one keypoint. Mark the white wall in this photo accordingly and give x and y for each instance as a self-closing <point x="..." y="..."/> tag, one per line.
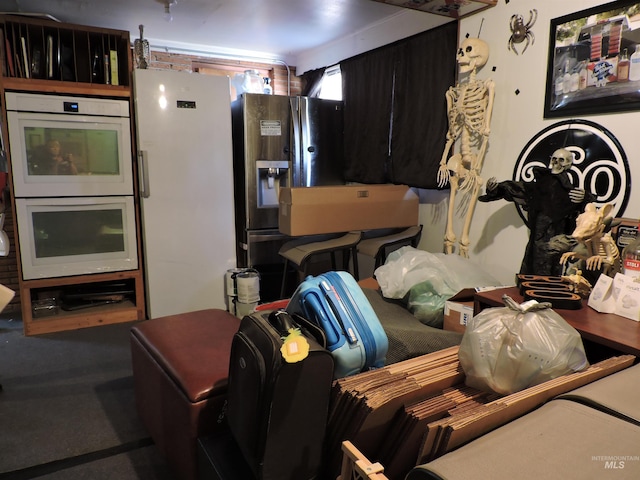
<point x="498" y="234"/>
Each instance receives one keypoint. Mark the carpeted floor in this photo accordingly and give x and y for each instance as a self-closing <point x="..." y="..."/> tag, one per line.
<point x="67" y="407"/>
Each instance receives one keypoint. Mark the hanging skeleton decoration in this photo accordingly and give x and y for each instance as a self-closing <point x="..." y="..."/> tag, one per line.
<point x="469" y="108"/>
<point x="521" y="31"/>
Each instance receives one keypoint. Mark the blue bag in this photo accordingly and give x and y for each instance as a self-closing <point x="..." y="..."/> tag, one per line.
<point x="335" y="302"/>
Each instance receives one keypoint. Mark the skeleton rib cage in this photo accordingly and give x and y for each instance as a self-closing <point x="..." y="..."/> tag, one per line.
<point x="469" y="103"/>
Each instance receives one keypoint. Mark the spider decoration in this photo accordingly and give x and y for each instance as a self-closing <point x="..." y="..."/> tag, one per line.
<point x="521" y="31"/>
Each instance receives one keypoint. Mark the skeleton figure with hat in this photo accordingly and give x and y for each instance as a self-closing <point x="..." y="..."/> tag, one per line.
<point x="469" y="109"/>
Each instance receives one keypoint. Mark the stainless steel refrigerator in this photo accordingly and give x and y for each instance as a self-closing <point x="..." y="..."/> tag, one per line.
<point x="279" y="141"/>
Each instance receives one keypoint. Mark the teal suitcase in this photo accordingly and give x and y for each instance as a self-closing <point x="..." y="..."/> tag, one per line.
<point x="335" y="302"/>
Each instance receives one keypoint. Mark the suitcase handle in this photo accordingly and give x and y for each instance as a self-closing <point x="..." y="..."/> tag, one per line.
<point x="316" y="311"/>
<point x="282" y="321"/>
<point x="311" y="329"/>
<point x="341" y="313"/>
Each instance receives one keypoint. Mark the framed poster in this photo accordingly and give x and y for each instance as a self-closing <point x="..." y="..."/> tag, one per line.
<point x="594" y="61"/>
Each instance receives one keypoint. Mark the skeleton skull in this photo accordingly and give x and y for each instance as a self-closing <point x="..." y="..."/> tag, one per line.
<point x="561" y="161"/>
<point x="472" y="54"/>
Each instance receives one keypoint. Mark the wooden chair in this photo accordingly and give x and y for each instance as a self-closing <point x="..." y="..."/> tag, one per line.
<point x="355" y="466"/>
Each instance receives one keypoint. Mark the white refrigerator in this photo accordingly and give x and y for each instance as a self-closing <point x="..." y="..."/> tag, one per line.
<point x="183" y="123"/>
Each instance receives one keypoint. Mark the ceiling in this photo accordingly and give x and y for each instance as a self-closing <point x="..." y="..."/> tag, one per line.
<point x="275" y="29"/>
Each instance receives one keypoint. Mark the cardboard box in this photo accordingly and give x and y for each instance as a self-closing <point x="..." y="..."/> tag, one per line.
<point x="457" y="314"/>
<point x="458" y="310"/>
<point x="334" y="209"/>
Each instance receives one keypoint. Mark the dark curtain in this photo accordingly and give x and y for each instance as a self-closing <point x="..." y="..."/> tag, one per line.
<point x="424" y="74"/>
<point x="395" y="109"/>
<point x="311" y="82"/>
<point x="367" y="92"/>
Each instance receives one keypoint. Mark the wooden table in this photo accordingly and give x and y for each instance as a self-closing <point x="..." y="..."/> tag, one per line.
<point x="616" y="332"/>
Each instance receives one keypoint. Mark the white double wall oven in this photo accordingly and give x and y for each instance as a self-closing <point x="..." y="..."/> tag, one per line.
<point x="71" y="164"/>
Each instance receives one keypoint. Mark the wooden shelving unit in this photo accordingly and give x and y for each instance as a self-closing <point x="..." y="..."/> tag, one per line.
<point x="131" y="308"/>
<point x="44" y="56"/>
<point x="36" y="49"/>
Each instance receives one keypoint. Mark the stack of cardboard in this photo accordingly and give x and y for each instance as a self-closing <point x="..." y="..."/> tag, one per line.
<point x="363" y="406"/>
<point x="414" y="411"/>
<point x="405" y="437"/>
<point x="443" y="436"/>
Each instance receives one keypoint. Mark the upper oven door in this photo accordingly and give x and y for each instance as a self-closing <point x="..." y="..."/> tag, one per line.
<point x="69" y="154"/>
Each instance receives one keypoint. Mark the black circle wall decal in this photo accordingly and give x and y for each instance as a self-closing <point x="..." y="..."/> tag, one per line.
<point x="600" y="164"/>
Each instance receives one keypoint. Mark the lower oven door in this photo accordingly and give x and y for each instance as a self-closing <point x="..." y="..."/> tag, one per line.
<point x="76" y="236"/>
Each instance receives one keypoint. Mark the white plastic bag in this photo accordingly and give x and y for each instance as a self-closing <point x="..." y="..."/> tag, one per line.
<point x="508" y="349"/>
<point x="426" y="280"/>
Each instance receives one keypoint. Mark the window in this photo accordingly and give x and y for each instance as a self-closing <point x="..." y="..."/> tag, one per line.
<point x="331" y="87"/>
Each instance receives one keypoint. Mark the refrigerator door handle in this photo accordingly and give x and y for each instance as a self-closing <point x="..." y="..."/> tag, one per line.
<point x="144" y="174"/>
<point x="296" y="161"/>
<point x="306" y="148"/>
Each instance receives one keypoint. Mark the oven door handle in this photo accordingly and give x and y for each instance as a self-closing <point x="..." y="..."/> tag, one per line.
<point x="144" y="174"/>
